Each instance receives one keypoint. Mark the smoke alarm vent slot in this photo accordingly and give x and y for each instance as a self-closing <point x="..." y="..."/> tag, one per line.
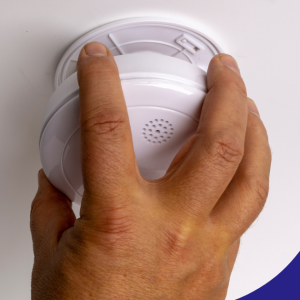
<point x="157" y="136"/>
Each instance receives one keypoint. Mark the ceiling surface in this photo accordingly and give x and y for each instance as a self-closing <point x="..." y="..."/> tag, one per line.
<point x="260" y="34"/>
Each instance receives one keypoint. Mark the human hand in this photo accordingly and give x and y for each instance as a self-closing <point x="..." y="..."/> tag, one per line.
<point x="172" y="238"/>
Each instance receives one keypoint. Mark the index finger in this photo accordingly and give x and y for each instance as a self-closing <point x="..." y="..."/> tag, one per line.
<point x="107" y="154"/>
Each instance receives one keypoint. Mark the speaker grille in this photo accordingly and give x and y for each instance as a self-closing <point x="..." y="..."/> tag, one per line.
<point x="157" y="131"/>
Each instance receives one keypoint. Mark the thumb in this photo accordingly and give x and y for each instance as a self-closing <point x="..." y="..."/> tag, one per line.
<point x="51" y="214"/>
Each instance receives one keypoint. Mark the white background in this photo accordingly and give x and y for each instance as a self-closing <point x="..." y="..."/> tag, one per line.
<point x="263" y="35"/>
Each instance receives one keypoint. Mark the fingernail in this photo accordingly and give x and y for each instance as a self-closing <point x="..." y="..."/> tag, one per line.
<point x="95" y="49"/>
<point x="252" y="106"/>
<point x="230" y="62"/>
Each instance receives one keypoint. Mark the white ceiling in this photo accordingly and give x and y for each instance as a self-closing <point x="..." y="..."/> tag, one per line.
<point x="263" y="35"/>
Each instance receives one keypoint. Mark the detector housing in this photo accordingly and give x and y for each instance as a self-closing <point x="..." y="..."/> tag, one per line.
<point x="162" y="67"/>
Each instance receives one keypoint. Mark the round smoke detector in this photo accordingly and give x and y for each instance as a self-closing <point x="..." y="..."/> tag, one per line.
<point x="162" y="68"/>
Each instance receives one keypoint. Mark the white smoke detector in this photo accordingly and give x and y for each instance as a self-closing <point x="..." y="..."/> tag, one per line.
<point x="162" y="68"/>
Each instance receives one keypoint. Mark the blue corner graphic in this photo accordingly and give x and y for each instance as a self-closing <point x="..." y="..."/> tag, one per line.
<point x="285" y="286"/>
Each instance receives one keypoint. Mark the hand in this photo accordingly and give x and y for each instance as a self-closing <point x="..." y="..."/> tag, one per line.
<point x="172" y="238"/>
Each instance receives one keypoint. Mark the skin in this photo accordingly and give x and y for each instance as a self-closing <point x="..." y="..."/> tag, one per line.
<point x="172" y="238"/>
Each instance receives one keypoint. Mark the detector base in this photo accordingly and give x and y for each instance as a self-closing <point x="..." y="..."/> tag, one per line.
<point x="157" y="35"/>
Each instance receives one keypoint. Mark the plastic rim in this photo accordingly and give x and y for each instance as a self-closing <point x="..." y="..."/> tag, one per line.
<point x="147" y="34"/>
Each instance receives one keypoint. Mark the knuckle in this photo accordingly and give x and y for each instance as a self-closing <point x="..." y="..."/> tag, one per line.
<point x="110" y="124"/>
<point x="116" y="222"/>
<point x="226" y="149"/>
<point x="174" y="242"/>
<point x="112" y="231"/>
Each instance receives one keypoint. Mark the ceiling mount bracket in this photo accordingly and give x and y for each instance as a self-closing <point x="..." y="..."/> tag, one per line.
<point x="147" y="34"/>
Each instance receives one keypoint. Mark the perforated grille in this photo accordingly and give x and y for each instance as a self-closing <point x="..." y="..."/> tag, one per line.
<point x="157" y="131"/>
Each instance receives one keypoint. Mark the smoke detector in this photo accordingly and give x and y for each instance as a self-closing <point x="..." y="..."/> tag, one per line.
<point x="162" y="66"/>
